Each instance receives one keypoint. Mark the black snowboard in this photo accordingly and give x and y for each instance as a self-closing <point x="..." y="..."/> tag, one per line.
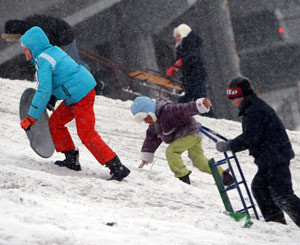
<point x="39" y="134"/>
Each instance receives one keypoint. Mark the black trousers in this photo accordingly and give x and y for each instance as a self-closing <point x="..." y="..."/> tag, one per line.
<point x="273" y="192"/>
<point x="194" y="88"/>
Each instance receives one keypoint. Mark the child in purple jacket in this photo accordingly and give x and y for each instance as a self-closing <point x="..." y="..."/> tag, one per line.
<point x="174" y="124"/>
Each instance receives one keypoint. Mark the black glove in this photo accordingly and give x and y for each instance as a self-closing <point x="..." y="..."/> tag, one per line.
<point x="223" y="146"/>
<point x="51" y="104"/>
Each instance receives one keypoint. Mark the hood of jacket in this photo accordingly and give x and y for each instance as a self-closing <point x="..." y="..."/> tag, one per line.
<point x="36" y="40"/>
<point x="160" y="103"/>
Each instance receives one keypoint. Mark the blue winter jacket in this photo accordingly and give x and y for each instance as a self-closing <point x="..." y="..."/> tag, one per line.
<point x="56" y="72"/>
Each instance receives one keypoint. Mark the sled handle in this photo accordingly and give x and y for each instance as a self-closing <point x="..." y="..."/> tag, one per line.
<point x="209" y="133"/>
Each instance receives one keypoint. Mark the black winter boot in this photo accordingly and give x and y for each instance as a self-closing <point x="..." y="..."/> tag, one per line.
<point x="71" y="161"/>
<point x="227" y="178"/>
<point x="186" y="178"/>
<point x="117" y="170"/>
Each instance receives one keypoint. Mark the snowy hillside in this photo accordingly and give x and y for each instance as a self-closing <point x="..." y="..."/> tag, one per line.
<point x="41" y="203"/>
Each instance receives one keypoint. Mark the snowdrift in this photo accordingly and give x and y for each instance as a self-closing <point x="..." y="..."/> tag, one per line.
<point x="41" y="203"/>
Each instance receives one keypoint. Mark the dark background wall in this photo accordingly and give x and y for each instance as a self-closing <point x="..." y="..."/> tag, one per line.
<point x="267" y="36"/>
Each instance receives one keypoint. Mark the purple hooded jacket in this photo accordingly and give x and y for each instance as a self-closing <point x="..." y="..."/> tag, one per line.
<point x="173" y="121"/>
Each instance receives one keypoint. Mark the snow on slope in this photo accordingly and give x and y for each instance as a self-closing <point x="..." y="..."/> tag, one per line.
<point x="41" y="203"/>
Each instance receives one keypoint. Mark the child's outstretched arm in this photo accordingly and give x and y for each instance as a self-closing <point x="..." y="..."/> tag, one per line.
<point x="185" y="110"/>
<point x="143" y="164"/>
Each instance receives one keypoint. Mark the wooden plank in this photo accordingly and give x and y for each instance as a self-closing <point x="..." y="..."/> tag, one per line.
<point x="155" y="79"/>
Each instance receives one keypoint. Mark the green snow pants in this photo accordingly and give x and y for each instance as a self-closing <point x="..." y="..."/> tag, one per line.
<point x="193" y="145"/>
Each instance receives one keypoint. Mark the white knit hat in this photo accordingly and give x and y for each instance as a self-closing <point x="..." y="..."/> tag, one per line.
<point x="182" y="30"/>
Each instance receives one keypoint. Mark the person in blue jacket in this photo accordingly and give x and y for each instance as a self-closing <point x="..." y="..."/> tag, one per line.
<point x="59" y="75"/>
<point x="267" y="141"/>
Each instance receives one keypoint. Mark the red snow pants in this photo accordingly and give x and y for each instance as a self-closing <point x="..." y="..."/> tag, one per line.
<point x="84" y="115"/>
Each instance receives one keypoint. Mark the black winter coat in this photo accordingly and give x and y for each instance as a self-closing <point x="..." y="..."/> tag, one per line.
<point x="189" y="51"/>
<point x="263" y="134"/>
<point x="58" y="31"/>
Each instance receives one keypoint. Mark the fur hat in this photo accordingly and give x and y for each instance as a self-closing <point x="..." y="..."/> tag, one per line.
<point x="14" y="29"/>
<point x="239" y="87"/>
<point x="142" y="107"/>
<point x="182" y="30"/>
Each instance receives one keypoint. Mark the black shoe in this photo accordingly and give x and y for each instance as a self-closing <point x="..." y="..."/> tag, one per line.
<point x="227" y="178"/>
<point x="117" y="170"/>
<point x="186" y="178"/>
<point x="71" y="161"/>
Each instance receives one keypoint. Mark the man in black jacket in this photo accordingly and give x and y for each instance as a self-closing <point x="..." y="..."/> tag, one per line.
<point x="189" y="61"/>
<point x="267" y="141"/>
<point x="58" y="31"/>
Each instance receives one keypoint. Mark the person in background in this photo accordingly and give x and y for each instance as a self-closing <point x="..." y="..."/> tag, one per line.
<point x="267" y="141"/>
<point x="58" y="31"/>
<point x="59" y="75"/>
<point x="175" y="125"/>
<point x="189" y="62"/>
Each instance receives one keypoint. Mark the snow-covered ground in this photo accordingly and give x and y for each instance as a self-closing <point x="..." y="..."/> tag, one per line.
<point x="41" y="203"/>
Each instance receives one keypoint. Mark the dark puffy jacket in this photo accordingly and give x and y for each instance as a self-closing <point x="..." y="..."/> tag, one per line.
<point x="263" y="134"/>
<point x="58" y="31"/>
<point x="173" y="121"/>
<point x="189" y="51"/>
